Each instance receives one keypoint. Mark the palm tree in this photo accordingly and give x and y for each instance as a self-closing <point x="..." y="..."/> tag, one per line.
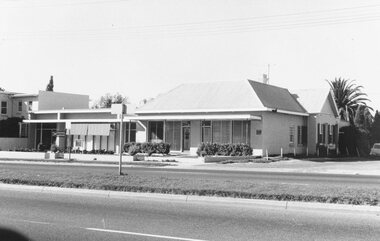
<point x="348" y="96"/>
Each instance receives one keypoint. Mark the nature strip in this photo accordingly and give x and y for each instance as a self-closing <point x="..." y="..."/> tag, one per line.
<point x="202" y="192"/>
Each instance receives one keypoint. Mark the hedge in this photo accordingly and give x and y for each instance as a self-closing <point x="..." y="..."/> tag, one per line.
<point x="212" y="149"/>
<point x="146" y="147"/>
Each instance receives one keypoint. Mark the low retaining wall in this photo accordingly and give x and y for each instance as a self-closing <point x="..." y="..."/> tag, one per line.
<point x="22" y="155"/>
<point x="210" y="159"/>
<point x="79" y="157"/>
<point x="11" y="143"/>
<point x="97" y="157"/>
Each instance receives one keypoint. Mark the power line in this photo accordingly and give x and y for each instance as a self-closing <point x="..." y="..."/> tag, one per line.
<point x="225" y="26"/>
<point x="72" y="3"/>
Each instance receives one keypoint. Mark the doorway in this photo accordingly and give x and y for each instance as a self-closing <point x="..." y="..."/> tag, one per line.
<point x="186" y="138"/>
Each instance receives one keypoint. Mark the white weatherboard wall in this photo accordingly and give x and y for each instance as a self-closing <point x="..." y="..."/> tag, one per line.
<point x="8" y="143"/>
<point x="276" y="131"/>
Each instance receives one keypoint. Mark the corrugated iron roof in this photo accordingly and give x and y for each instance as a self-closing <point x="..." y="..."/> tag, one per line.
<point x="276" y="97"/>
<point x="223" y="96"/>
<point x="312" y="99"/>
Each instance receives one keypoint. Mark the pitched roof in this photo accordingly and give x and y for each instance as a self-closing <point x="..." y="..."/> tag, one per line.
<point x="314" y="99"/>
<point x="276" y="98"/>
<point x="245" y="95"/>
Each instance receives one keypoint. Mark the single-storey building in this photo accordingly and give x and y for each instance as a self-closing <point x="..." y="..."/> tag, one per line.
<point x="268" y="118"/>
<point x="323" y="121"/>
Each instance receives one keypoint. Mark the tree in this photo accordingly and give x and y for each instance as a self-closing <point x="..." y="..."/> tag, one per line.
<point x="375" y="128"/>
<point x="348" y="96"/>
<point x="107" y="100"/>
<point x="363" y="118"/>
<point x="50" y="86"/>
<point x="2" y="89"/>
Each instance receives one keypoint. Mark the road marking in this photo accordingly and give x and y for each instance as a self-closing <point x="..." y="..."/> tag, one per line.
<point x="31" y="221"/>
<point x="142" y="234"/>
<point x="299" y="184"/>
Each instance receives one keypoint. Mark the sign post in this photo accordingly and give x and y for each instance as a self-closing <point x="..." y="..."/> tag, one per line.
<point x="120" y="109"/>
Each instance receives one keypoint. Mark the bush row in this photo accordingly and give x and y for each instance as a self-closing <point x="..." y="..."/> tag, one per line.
<point x="146" y="147"/>
<point x="212" y="149"/>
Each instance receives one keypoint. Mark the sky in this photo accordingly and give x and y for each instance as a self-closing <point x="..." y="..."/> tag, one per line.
<point x="143" y="48"/>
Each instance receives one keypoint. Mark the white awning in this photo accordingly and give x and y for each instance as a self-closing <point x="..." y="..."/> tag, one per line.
<point x="95" y="129"/>
<point x="78" y="129"/>
<point x="99" y="129"/>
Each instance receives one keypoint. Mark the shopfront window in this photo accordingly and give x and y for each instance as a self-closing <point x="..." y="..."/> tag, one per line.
<point x="156" y="131"/>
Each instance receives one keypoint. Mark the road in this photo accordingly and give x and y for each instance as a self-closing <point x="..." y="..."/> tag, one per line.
<point x="270" y="177"/>
<point x="79" y="216"/>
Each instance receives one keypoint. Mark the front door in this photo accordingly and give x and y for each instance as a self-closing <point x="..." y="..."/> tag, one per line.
<point x="186" y="138"/>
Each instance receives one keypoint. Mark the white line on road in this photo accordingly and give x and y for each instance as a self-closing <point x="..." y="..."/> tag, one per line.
<point x="142" y="234"/>
<point x="299" y="184"/>
<point x="31" y="221"/>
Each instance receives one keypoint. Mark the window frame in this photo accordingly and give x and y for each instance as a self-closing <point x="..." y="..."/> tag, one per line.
<point x="19" y="106"/>
<point x="4" y="107"/>
<point x="291" y="135"/>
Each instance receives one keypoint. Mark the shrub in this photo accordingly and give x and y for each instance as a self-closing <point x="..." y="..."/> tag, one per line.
<point x="212" y="149"/>
<point x="163" y="148"/>
<point x="146" y="147"/>
<point x="53" y="148"/>
<point x="133" y="150"/>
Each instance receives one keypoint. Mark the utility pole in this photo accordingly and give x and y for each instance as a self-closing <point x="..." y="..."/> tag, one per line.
<point x="121" y="143"/>
<point x="120" y="110"/>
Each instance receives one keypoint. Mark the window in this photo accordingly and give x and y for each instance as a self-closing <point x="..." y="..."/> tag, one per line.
<point x="19" y="106"/>
<point x="320" y="136"/>
<point x="330" y="133"/>
<point x="304" y="135"/>
<point x="130" y="132"/>
<point x="323" y="133"/>
<point x="4" y="107"/>
<point x="156" y="131"/>
<point x="291" y="135"/>
<point x="206" y="131"/>
<point x="258" y="132"/>
<point x="221" y="131"/>
<point x="30" y="105"/>
<point x="173" y="134"/>
<point x="240" y="132"/>
<point x="333" y="133"/>
<point x="24" y="130"/>
<point x="299" y="135"/>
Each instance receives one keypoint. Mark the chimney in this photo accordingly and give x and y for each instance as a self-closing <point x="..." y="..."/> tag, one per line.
<point x="265" y="79"/>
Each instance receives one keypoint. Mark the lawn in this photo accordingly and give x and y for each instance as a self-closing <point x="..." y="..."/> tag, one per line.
<point x="109" y="180"/>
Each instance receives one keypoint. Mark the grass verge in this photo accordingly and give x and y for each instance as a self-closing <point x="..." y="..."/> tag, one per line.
<point x="135" y="163"/>
<point x="238" y="188"/>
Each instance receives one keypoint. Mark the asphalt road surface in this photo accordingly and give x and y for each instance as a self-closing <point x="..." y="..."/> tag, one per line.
<point x="61" y="216"/>
<point x="270" y="177"/>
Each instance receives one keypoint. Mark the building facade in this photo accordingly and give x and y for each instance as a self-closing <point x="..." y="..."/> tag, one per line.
<point x="268" y="118"/>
